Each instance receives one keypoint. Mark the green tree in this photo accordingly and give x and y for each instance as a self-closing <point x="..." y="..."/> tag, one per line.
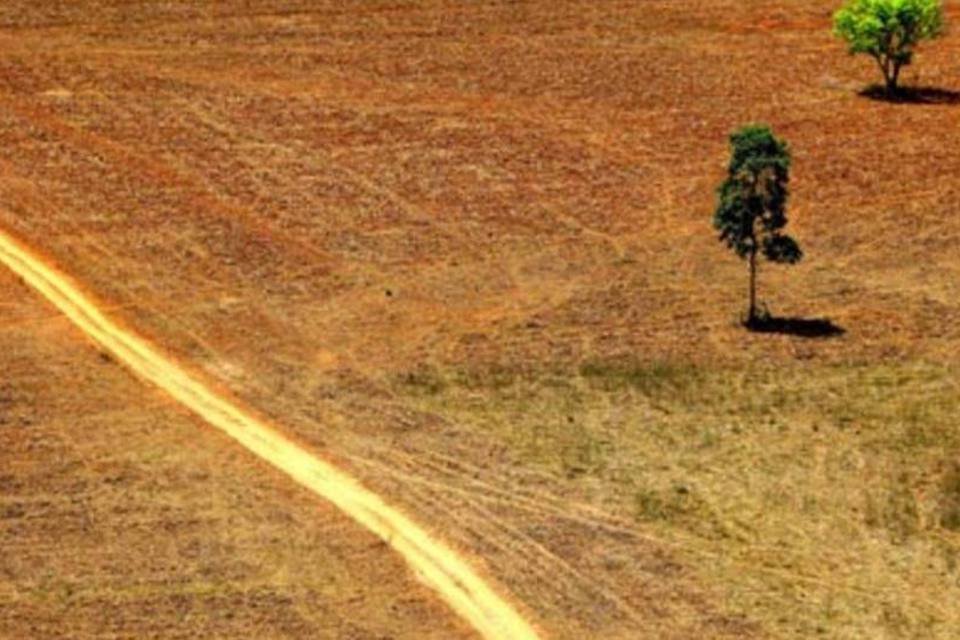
<point x="751" y="211"/>
<point x="888" y="31"/>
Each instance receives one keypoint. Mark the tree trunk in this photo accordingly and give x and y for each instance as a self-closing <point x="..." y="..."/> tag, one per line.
<point x="891" y="87"/>
<point x="890" y="71"/>
<point x="893" y="84"/>
<point x="752" y="312"/>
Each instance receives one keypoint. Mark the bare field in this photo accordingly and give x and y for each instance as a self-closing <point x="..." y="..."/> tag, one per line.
<point x="463" y="249"/>
<point x="122" y="517"/>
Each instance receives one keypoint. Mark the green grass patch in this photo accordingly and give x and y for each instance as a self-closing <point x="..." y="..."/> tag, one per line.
<point x="653" y="379"/>
<point x="950" y="498"/>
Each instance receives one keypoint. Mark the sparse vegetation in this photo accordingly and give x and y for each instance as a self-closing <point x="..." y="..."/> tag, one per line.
<point x="950" y="498"/>
<point x="650" y="378"/>
<point x="889" y="31"/>
<point x="553" y="386"/>
<point x="787" y="472"/>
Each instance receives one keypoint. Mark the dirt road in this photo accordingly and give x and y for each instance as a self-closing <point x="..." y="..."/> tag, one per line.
<point x="437" y="565"/>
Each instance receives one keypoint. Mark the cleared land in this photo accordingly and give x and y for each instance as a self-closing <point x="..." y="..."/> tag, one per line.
<point x="122" y="516"/>
<point x="463" y="250"/>
<point x="435" y="564"/>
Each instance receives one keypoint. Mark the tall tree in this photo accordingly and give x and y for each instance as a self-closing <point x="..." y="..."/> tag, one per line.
<point x="888" y="31"/>
<point x="751" y="211"/>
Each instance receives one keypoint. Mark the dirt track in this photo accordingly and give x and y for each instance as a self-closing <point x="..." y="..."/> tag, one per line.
<point x="437" y="565"/>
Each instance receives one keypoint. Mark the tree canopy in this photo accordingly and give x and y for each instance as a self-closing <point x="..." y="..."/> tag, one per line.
<point x="751" y="208"/>
<point x="888" y="31"/>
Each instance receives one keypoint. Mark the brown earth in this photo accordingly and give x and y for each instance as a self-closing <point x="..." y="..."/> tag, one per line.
<point x="464" y="249"/>
<point x="120" y="516"/>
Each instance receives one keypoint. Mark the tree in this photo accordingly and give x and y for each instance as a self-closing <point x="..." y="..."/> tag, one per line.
<point x="750" y="213"/>
<point x="888" y="31"/>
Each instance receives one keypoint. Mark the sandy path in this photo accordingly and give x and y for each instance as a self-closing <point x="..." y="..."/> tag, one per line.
<point x="437" y="565"/>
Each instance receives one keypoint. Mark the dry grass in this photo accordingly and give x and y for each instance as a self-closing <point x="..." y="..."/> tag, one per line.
<point x="464" y="249"/>
<point x="122" y="517"/>
<point x="823" y="500"/>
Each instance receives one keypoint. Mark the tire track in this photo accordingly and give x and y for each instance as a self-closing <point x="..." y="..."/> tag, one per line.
<point x="437" y="566"/>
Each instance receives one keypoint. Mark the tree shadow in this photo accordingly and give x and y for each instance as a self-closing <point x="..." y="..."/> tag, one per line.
<point x="800" y="327"/>
<point x="912" y="95"/>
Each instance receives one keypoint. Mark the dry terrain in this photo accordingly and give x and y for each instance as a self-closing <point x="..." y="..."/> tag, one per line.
<point x="463" y="250"/>
<point x="121" y="516"/>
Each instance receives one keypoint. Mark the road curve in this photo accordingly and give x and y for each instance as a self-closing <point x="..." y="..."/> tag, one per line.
<point x="438" y="566"/>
